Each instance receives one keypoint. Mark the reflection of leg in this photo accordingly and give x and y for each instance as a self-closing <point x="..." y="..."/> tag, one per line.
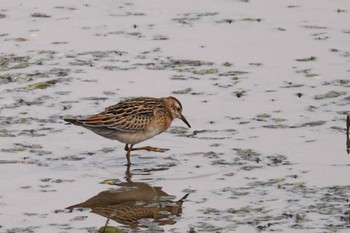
<point x="148" y="148"/>
<point x="128" y="174"/>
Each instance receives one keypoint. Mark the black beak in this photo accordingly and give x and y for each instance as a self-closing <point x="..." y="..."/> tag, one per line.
<point x="184" y="120"/>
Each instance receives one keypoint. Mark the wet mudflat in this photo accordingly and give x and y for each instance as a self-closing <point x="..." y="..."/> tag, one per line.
<point x="264" y="85"/>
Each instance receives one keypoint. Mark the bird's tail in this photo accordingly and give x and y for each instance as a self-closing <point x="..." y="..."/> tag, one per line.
<point x="72" y="121"/>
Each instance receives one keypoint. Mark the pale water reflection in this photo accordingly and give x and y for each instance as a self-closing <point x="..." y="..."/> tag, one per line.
<point x="265" y="85"/>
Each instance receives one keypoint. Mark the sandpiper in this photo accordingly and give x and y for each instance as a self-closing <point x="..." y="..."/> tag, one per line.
<point x="134" y="120"/>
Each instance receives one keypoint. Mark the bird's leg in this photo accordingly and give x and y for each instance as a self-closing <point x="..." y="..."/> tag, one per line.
<point x="126" y="147"/>
<point x="106" y="224"/>
<point x="128" y="150"/>
<point x="150" y="148"/>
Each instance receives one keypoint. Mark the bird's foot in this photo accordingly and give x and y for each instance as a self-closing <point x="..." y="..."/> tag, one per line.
<point x="156" y="149"/>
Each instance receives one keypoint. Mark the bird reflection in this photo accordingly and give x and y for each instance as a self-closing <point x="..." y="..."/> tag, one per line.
<point x="132" y="202"/>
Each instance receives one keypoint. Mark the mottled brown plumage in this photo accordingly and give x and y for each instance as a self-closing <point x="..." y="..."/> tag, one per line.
<point x="134" y="120"/>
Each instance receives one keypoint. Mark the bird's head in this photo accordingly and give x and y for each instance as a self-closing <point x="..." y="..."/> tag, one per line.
<point x="176" y="109"/>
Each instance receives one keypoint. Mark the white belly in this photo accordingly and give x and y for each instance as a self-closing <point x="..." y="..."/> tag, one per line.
<point x="134" y="138"/>
<point x="128" y="137"/>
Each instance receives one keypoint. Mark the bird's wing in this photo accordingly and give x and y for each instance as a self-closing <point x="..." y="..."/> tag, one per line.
<point x="129" y="116"/>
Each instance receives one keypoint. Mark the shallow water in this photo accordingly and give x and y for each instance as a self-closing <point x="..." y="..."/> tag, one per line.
<point x="264" y="85"/>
